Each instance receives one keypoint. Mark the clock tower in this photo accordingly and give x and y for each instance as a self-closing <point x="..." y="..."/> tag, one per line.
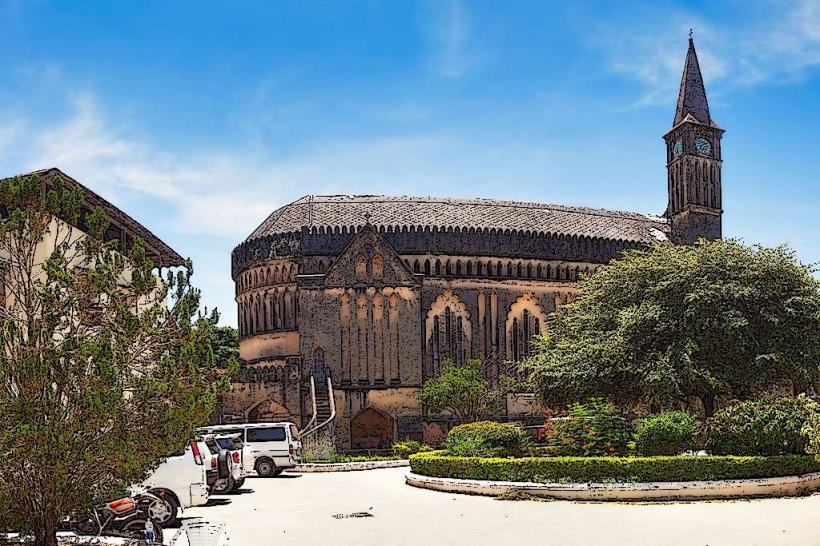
<point x="693" y="161"/>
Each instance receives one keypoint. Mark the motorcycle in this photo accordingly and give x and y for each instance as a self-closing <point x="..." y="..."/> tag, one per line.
<point x="124" y="517"/>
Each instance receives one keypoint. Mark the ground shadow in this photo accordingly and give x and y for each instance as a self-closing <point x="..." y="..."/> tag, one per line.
<point x="279" y="477"/>
<point x="243" y="491"/>
<point x="221" y="501"/>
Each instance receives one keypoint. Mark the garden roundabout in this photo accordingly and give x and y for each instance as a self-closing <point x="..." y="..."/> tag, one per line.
<point x="763" y="448"/>
<point x="619" y="478"/>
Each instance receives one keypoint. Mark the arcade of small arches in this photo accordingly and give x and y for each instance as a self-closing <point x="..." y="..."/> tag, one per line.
<point x="267" y="298"/>
<point x="278" y="272"/>
<point x="269" y="310"/>
<point x="515" y="269"/>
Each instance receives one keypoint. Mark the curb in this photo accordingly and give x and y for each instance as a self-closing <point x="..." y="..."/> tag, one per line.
<point x="785" y="486"/>
<point x="348" y="467"/>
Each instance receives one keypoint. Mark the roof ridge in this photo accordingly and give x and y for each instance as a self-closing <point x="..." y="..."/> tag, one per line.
<point x="598" y="211"/>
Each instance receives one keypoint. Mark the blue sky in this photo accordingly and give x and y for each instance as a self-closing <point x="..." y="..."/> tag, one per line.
<point x="200" y="118"/>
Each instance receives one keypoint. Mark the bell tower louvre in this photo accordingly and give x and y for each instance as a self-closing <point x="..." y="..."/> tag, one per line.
<point x="693" y="161"/>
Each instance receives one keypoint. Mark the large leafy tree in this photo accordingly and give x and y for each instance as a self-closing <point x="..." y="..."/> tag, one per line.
<point x="103" y="370"/>
<point x="225" y="343"/>
<point x="669" y="323"/>
<point x="463" y="390"/>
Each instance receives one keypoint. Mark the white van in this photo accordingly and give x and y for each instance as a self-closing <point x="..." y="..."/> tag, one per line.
<point x="268" y="448"/>
<point x="180" y="482"/>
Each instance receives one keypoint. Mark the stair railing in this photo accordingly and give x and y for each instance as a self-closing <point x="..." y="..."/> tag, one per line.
<point x="332" y="409"/>
<point x="313" y="402"/>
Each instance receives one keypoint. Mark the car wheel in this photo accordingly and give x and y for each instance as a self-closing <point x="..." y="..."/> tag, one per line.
<point x="164" y="511"/>
<point x="238" y="483"/>
<point x="225" y="486"/>
<point x="265" y="468"/>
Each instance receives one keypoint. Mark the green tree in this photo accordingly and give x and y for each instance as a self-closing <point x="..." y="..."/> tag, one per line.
<point x="672" y="322"/>
<point x="225" y="343"/>
<point x="462" y="389"/>
<point x="104" y="370"/>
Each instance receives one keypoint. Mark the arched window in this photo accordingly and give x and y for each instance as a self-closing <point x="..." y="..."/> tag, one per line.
<point x="448" y="330"/>
<point x="361" y="267"/>
<point x="518" y="270"/>
<point x="469" y="268"/>
<point x="509" y="269"/>
<point x="378" y="266"/>
<point x="438" y="267"/>
<point x="524" y="321"/>
<point x="416" y="266"/>
<point x="426" y="267"/>
<point x="516" y="341"/>
<point x="458" y="268"/>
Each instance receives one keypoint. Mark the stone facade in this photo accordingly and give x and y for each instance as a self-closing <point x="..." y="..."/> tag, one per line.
<point x="376" y="292"/>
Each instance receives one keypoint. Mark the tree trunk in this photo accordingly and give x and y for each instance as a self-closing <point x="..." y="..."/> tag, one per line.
<point x="47" y="534"/>
<point x="708" y="401"/>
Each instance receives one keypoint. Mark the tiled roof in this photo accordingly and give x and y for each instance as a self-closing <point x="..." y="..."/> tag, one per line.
<point x="337" y="211"/>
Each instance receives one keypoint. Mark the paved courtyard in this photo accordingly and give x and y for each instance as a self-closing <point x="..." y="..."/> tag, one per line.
<point x="312" y="509"/>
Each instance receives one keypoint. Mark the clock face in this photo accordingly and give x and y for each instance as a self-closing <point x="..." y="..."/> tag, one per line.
<point x="677" y="148"/>
<point x="702" y="146"/>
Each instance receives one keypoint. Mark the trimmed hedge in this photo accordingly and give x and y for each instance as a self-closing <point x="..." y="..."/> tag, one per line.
<point x="611" y="469"/>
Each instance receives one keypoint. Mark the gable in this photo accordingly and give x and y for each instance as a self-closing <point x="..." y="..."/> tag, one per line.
<point x="369" y="260"/>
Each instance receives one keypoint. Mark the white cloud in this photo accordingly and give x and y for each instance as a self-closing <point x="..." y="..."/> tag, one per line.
<point x="451" y="36"/>
<point x="775" y="50"/>
<point x="227" y="193"/>
<point x="83" y="139"/>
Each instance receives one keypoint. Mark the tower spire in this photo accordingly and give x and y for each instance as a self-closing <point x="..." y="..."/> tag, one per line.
<point x="692" y="94"/>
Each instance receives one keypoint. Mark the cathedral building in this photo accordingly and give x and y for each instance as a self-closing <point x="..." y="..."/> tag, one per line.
<point x="347" y="304"/>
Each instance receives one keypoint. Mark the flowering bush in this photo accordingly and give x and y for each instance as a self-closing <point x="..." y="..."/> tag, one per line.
<point x="594" y="428"/>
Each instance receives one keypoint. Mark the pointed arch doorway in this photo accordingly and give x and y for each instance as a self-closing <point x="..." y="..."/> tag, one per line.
<point x="371" y="428"/>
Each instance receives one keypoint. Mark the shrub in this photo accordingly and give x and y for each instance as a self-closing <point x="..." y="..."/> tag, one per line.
<point x="488" y="439"/>
<point x="591" y="429"/>
<point x="408" y="447"/>
<point x="609" y="469"/>
<point x="334" y="458"/>
<point x="811" y="431"/>
<point x="666" y="433"/>
<point x="770" y="426"/>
